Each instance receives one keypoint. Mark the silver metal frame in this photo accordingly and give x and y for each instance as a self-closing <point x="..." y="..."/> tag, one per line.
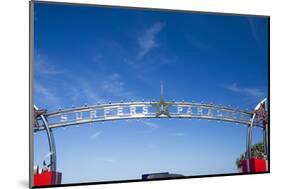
<point x="84" y="109"/>
<point x="51" y="140"/>
<point x="250" y="136"/>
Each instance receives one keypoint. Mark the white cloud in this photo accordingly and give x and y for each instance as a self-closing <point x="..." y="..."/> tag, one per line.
<point x="45" y="94"/>
<point x="147" y="40"/>
<point x="253" y="29"/>
<point x="116" y="87"/>
<point x="77" y="87"/>
<point x="91" y="94"/>
<point x="151" y="146"/>
<point x="115" y="76"/>
<point x="106" y="159"/>
<point x="43" y="66"/>
<point x="178" y="134"/>
<point x="150" y="124"/>
<point x="96" y="135"/>
<point x="255" y="92"/>
<point x="98" y="91"/>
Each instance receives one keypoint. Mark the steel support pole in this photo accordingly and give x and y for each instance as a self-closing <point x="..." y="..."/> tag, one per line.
<point x="51" y="141"/>
<point x="53" y="156"/>
<point x="266" y="146"/>
<point x="249" y="142"/>
<point x="247" y="149"/>
<point x="264" y="143"/>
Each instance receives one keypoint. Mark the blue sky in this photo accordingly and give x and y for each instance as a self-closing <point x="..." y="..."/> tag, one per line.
<point x="93" y="55"/>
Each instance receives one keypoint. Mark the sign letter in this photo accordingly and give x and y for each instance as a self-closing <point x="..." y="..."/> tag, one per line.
<point x="93" y="114"/>
<point x="120" y="111"/>
<point x="189" y="110"/>
<point x="78" y="116"/>
<point x="200" y="110"/>
<point x="63" y="118"/>
<point x="145" y="110"/>
<point x="106" y="111"/>
<point x="133" y="110"/>
<point x="180" y="109"/>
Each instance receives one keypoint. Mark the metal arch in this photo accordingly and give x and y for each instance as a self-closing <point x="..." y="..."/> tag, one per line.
<point x="84" y="109"/>
<point x="113" y="105"/>
<point x="250" y="133"/>
<point x="51" y="141"/>
<point x="162" y="112"/>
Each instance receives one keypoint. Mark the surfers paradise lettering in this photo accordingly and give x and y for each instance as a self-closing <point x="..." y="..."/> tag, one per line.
<point x="161" y="109"/>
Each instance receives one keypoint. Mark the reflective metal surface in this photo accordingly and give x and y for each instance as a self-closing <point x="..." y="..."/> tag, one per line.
<point x="142" y="110"/>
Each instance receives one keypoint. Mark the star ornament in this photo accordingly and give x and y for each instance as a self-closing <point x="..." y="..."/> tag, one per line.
<point x="162" y="108"/>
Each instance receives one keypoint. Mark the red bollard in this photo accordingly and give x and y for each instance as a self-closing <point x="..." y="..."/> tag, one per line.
<point x="47" y="178"/>
<point x="256" y="165"/>
<point x="244" y="166"/>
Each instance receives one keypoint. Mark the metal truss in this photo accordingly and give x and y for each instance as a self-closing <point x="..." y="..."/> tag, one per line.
<point x="145" y="110"/>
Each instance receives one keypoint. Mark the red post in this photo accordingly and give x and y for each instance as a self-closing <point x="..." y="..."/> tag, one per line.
<point x="256" y="165"/>
<point x="244" y="166"/>
<point x="47" y="178"/>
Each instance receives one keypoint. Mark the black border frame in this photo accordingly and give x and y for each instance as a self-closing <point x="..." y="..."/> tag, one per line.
<point x="31" y="64"/>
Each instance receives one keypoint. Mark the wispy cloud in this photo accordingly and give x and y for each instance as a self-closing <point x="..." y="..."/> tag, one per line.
<point x="147" y="40"/>
<point x="97" y="91"/>
<point x="77" y="87"/>
<point x="253" y="28"/>
<point x="45" y="94"/>
<point x="110" y="160"/>
<point x="115" y="76"/>
<point x="151" y="146"/>
<point x="96" y="135"/>
<point x="44" y="66"/>
<point x="116" y="87"/>
<point x="91" y="94"/>
<point x="178" y="134"/>
<point x="201" y="45"/>
<point x="150" y="124"/>
<point x="255" y="92"/>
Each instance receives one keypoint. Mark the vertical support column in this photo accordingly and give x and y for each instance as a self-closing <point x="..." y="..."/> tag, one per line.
<point x="52" y="147"/>
<point x="266" y="140"/>
<point x="248" y="154"/>
<point x="53" y="153"/>
<point x="48" y="177"/>
<point x="248" y="149"/>
<point x="265" y="143"/>
<point x="259" y="114"/>
<point x="54" y="159"/>
<point x="51" y="141"/>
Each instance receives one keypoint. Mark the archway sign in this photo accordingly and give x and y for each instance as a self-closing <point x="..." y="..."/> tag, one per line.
<point x="149" y="110"/>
